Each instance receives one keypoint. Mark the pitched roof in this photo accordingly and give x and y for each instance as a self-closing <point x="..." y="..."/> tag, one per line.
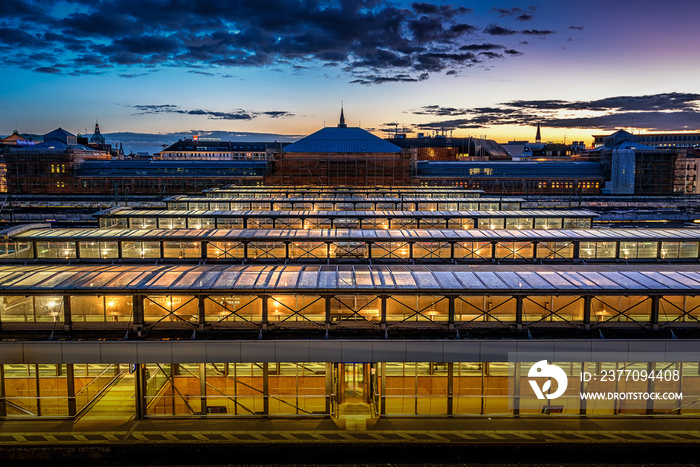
<point x="342" y="140"/>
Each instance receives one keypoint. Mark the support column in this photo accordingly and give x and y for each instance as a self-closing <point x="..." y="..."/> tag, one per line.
<point x="451" y="312"/>
<point x="382" y="300"/>
<point x="534" y="250"/>
<point x="120" y="249"/>
<point x="201" y="312"/>
<point x="383" y="387"/>
<point x="3" y="406"/>
<point x="329" y="388"/>
<point x="138" y="313"/>
<point x="516" y="389"/>
<point x="519" y="312"/>
<point x="493" y="252"/>
<point x="654" y="318"/>
<point x="203" y="387"/>
<point x="140" y="391"/>
<point x="587" y="312"/>
<point x="327" y="304"/>
<point x="651" y="387"/>
<point x="70" y="389"/>
<point x="37" y="388"/>
<point x="67" y="320"/>
<point x="266" y="389"/>
<point x="450" y="388"/>
<point x="584" y="388"/>
<point x="264" y="299"/>
<point x="203" y="247"/>
<point x="77" y="250"/>
<point x="577" y="251"/>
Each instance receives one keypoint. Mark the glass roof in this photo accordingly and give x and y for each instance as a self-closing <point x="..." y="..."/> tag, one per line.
<point x="335" y="214"/>
<point x="330" y="278"/>
<point x="340" y="235"/>
<point x="336" y="199"/>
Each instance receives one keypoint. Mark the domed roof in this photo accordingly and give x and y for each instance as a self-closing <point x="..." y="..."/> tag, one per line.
<point x="342" y="140"/>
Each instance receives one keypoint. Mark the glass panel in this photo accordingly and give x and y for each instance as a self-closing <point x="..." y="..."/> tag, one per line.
<point x="296" y="309"/>
<point x="34" y="309"/>
<point x="519" y="223"/>
<point x="217" y="250"/>
<point x="515" y="250"/>
<point x="473" y="250"/>
<point x="201" y="223"/>
<point x="388" y="250"/>
<point x="141" y="250"/>
<point x="548" y="223"/>
<point x="55" y="250"/>
<point x="355" y="309"/>
<point x="490" y="224"/>
<point x="316" y="250"/>
<point x="417" y="308"/>
<point x="613" y="308"/>
<point x="170" y="310"/>
<point x="485" y="308"/>
<point x="465" y="223"/>
<point x="233" y="310"/>
<point x="101" y="309"/>
<point x="182" y="250"/>
<point x="555" y="250"/>
<point x="262" y="250"/>
<point x="229" y="223"/>
<point x="431" y="250"/>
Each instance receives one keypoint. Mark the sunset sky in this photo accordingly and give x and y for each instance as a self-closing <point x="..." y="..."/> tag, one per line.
<point x="244" y="69"/>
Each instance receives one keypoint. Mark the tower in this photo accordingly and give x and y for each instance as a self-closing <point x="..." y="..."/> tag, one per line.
<point x="538" y="136"/>
<point x="342" y="124"/>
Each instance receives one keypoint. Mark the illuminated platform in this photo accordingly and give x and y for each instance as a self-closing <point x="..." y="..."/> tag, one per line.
<point x="122" y="218"/>
<point x="334" y="191"/>
<point x="343" y="204"/>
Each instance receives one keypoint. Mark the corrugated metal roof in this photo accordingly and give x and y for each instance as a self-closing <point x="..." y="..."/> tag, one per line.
<point x="342" y="140"/>
<point x="620" y="279"/>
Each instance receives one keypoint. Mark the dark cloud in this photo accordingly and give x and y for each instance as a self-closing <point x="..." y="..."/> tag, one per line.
<point x="478" y="47"/>
<point x="371" y="40"/>
<point x="538" y="32"/>
<point x="155" y="139"/>
<point x="653" y="121"/>
<point x="131" y="75"/>
<point x="576" y="28"/>
<point x="401" y="78"/>
<point x="513" y="52"/>
<point x="658" y="102"/>
<point x="52" y="70"/>
<point x="200" y="72"/>
<point x="657" y="112"/>
<point x="524" y="17"/>
<point x="239" y="114"/>
<point x="490" y="55"/>
<point x="495" y="30"/>
<point x="276" y="113"/>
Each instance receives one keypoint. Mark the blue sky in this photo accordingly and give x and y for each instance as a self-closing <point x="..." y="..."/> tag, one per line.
<point x="246" y="69"/>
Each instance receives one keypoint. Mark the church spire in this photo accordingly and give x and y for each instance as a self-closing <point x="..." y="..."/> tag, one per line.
<point x="538" y="136"/>
<point x="342" y="117"/>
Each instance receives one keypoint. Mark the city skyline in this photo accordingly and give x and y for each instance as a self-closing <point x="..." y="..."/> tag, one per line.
<point x="280" y="72"/>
